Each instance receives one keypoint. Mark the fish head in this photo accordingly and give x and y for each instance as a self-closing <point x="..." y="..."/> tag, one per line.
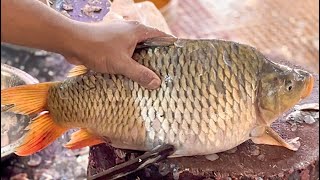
<point x="280" y="88"/>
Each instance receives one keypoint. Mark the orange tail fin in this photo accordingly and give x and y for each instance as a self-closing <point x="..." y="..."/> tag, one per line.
<point x="32" y="99"/>
<point x="42" y="132"/>
<point x="26" y="99"/>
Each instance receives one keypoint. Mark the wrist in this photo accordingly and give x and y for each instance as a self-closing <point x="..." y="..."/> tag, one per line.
<point x="70" y="39"/>
<point x="78" y="39"/>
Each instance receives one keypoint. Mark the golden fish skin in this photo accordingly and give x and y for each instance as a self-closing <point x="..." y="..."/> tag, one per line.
<point x="208" y="102"/>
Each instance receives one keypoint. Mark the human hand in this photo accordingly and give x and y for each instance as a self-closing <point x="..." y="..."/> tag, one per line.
<point x="108" y="48"/>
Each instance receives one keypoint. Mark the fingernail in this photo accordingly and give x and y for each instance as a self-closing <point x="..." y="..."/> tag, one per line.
<point x="154" y="84"/>
<point x="149" y="81"/>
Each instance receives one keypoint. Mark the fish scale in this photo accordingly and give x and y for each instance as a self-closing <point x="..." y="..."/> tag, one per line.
<point x="208" y="91"/>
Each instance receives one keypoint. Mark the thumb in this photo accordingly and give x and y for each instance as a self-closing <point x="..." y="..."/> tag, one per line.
<point x="73" y="60"/>
<point x="140" y="74"/>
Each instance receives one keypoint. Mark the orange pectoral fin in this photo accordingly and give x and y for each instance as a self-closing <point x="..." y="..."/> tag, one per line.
<point x="42" y="132"/>
<point x="83" y="138"/>
<point x="270" y="137"/>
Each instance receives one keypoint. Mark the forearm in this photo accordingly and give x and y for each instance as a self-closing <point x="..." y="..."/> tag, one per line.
<point x="103" y="47"/>
<point x="31" y="23"/>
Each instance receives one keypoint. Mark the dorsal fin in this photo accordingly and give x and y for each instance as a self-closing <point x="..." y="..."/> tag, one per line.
<point x="77" y="71"/>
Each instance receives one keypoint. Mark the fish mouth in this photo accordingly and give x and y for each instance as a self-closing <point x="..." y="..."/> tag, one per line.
<point x="309" y="87"/>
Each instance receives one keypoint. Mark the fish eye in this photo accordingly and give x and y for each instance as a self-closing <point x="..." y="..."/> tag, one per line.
<point x="289" y="85"/>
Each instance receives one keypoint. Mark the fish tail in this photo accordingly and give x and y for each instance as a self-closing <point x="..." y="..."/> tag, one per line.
<point x="42" y="132"/>
<point x="28" y="100"/>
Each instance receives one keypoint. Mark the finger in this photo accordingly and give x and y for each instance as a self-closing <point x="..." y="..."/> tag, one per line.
<point x="146" y="32"/>
<point x="140" y="74"/>
<point x="73" y="60"/>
